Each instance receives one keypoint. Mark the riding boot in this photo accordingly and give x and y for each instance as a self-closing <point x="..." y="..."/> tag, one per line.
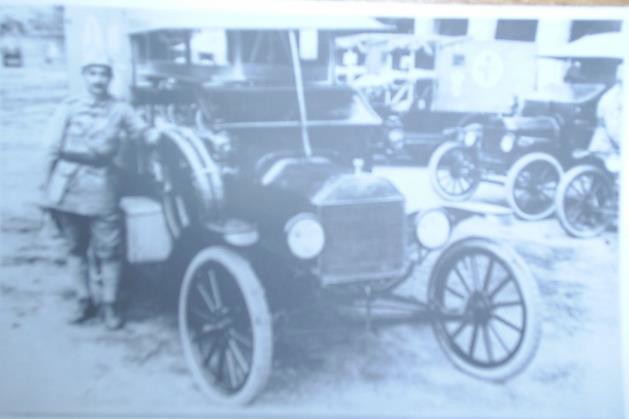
<point x="84" y="308"/>
<point x="110" y="274"/>
<point x="113" y="319"/>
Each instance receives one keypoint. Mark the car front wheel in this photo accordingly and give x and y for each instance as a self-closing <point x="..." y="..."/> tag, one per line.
<point x="225" y="326"/>
<point x="531" y="186"/>
<point x="487" y="322"/>
<point x="454" y="171"/>
<point x="585" y="201"/>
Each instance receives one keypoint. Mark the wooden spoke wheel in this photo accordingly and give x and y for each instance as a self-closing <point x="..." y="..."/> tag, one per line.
<point x="454" y="171"/>
<point x="531" y="186"/>
<point x="586" y="201"/>
<point x="192" y="184"/>
<point x="225" y="326"/>
<point x="489" y="324"/>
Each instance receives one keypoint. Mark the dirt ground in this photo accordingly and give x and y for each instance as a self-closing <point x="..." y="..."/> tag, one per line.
<point x="48" y="367"/>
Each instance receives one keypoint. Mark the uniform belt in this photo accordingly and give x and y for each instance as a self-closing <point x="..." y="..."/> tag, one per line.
<point x="87" y="160"/>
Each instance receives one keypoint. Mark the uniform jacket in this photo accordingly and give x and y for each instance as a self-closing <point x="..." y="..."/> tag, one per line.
<point x="609" y="112"/>
<point x="84" y="136"/>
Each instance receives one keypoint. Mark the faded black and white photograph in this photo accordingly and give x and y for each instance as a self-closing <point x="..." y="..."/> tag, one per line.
<point x="209" y="212"/>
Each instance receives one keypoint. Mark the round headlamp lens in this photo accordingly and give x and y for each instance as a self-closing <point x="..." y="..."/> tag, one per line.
<point x="470" y="138"/>
<point x="612" y="163"/>
<point x="396" y="137"/>
<point x="507" y="143"/>
<point x="305" y="236"/>
<point x="433" y="228"/>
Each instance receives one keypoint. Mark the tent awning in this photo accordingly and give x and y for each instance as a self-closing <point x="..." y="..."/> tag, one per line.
<point x="610" y="45"/>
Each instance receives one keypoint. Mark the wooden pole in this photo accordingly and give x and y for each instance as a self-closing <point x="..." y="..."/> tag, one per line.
<point x="301" y="100"/>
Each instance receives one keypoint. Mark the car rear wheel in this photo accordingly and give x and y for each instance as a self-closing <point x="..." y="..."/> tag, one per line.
<point x="531" y="186"/>
<point x="191" y="180"/>
<point x="585" y="197"/>
<point x="454" y="171"/>
<point x="488" y="323"/>
<point x="225" y="326"/>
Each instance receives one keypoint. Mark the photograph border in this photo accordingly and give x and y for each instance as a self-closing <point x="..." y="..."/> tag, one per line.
<point x="411" y="10"/>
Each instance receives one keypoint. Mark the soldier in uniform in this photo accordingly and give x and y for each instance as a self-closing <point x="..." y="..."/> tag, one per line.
<point x="606" y="137"/>
<point x="83" y="182"/>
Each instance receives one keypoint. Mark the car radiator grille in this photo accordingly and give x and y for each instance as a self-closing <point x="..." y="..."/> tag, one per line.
<point x="363" y="241"/>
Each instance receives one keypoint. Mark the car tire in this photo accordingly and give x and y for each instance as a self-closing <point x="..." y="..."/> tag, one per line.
<point x="441" y="157"/>
<point x="534" y="167"/>
<point x="565" y="193"/>
<point x="509" y="343"/>
<point x="228" y="278"/>
<point x="195" y="187"/>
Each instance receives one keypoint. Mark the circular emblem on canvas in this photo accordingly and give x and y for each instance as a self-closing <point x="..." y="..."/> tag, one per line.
<point x="487" y="69"/>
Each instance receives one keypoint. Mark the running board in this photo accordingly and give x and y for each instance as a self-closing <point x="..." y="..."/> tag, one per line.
<point x="497" y="179"/>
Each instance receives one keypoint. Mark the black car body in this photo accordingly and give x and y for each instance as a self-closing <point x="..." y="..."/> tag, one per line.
<point x="556" y="121"/>
<point x="259" y="191"/>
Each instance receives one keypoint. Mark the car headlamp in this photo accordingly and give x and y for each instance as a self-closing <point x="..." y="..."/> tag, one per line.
<point x="507" y="142"/>
<point x="470" y="137"/>
<point x="612" y="163"/>
<point x="433" y="228"/>
<point x="396" y="137"/>
<point x="305" y="236"/>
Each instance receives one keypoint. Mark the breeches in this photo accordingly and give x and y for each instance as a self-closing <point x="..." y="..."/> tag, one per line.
<point x="102" y="232"/>
<point x="104" y="235"/>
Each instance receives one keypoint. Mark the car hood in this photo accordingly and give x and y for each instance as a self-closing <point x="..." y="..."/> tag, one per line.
<point x="352" y="188"/>
<point x="322" y="182"/>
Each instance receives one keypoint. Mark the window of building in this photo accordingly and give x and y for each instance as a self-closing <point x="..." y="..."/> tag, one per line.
<point x="451" y="27"/>
<point x="582" y="28"/>
<point x="400" y="25"/>
<point x="516" y="30"/>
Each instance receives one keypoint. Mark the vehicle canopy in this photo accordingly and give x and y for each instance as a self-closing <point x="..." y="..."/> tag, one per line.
<point x="159" y="20"/>
<point x="590" y="59"/>
<point x="284" y="60"/>
<point x="243" y="47"/>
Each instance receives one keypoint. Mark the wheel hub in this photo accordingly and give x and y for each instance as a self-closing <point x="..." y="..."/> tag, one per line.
<point x="479" y="308"/>
<point x="219" y="324"/>
<point x="221" y="321"/>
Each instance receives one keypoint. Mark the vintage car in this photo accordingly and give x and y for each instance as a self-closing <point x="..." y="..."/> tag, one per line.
<point x="424" y="85"/>
<point x="528" y="150"/>
<point x="587" y="196"/>
<point x="262" y="198"/>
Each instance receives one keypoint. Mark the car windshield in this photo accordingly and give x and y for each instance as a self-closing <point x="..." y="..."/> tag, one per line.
<point x="231" y="106"/>
<point x="567" y="93"/>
